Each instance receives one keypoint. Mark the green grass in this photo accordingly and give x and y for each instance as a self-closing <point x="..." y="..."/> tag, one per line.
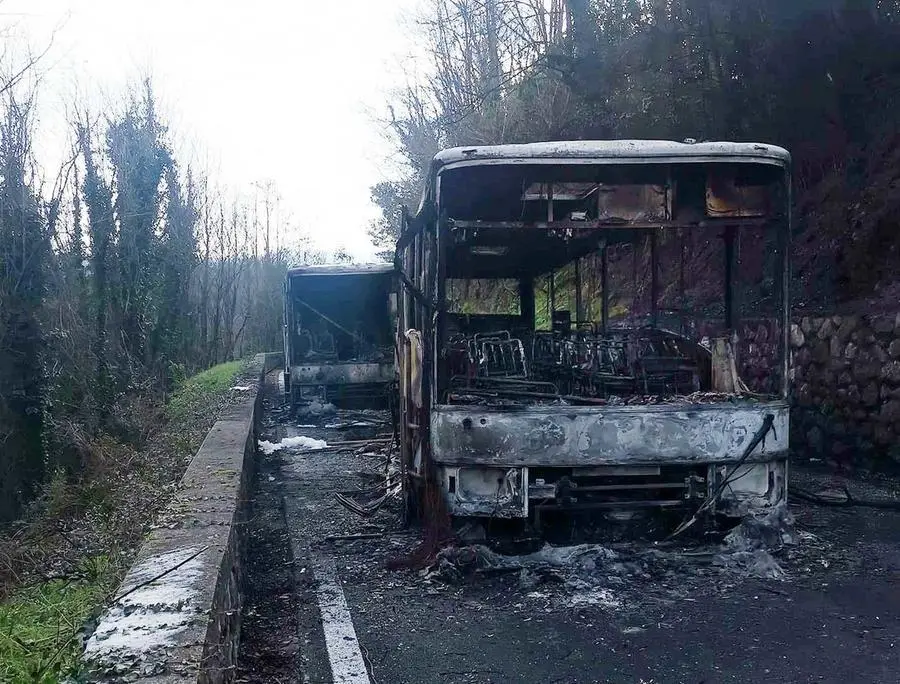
<point x="195" y="392"/>
<point x="40" y="624"/>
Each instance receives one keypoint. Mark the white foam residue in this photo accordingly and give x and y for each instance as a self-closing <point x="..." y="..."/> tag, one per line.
<point x="154" y="614"/>
<point x="123" y="633"/>
<point x="307" y="443"/>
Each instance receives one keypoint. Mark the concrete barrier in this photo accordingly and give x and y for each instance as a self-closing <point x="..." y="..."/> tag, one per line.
<point x="177" y="616"/>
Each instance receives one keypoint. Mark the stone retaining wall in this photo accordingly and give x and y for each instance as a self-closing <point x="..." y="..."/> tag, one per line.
<point x="176" y="617"/>
<point x="846" y="389"/>
<point x="758" y="354"/>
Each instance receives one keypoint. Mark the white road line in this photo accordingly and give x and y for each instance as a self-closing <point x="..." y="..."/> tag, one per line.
<point x="344" y="654"/>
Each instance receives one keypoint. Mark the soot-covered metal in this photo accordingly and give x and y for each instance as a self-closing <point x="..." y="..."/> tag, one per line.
<point x="575" y="310"/>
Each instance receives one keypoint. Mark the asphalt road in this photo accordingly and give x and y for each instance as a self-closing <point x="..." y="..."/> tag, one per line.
<point x="833" y="617"/>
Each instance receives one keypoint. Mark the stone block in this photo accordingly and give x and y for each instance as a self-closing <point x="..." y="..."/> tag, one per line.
<point x="836" y="348"/>
<point x="815" y="439"/>
<point x="821" y="352"/>
<point x="870" y="395"/>
<point x="894" y="349"/>
<point x="804" y="395"/>
<point x="808" y="326"/>
<point x="890" y="412"/>
<point x="883" y="324"/>
<point x="798" y="339"/>
<point x="890" y="372"/>
<point x="839" y="449"/>
<point x="883" y="435"/>
<point x="894" y="453"/>
<point x="863" y="335"/>
<point x="846" y="327"/>
<point x="865" y="369"/>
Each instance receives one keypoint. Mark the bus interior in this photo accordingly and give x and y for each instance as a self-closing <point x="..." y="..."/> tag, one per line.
<point x="339" y="317"/>
<point x="612" y="284"/>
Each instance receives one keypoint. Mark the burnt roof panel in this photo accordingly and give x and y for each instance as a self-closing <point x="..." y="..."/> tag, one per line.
<point x="340" y="269"/>
<point x="624" y="150"/>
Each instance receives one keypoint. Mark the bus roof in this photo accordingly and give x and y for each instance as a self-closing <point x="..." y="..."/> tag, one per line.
<point x="340" y="269"/>
<point x="635" y="151"/>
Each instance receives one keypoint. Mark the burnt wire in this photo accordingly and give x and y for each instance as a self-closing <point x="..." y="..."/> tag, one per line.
<point x="767" y="425"/>
<point x="735" y="479"/>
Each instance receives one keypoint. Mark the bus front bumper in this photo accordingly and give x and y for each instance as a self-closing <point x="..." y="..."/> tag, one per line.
<point x="506" y="464"/>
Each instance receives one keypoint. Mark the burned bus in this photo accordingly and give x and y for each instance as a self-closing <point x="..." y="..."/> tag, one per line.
<point x="597" y="326"/>
<point x="339" y="325"/>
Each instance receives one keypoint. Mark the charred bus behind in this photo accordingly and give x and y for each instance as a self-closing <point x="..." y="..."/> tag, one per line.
<point x="339" y="325"/>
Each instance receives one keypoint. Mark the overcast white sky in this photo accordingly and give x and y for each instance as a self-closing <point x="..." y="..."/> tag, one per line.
<point x="270" y="89"/>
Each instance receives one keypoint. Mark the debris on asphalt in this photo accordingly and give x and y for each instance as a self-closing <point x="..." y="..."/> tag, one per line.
<point x="361" y="442"/>
<point x="748" y="547"/>
<point x="758" y="563"/>
<point x="317" y="408"/>
<point x="763" y="530"/>
<point x="551" y="563"/>
<point x="832" y="497"/>
<point x="349" y="425"/>
<point x="353" y="537"/>
<point x="595" y="574"/>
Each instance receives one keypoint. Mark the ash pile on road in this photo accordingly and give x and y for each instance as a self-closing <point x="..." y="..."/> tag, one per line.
<point x="747" y="551"/>
<point x="749" y="547"/>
